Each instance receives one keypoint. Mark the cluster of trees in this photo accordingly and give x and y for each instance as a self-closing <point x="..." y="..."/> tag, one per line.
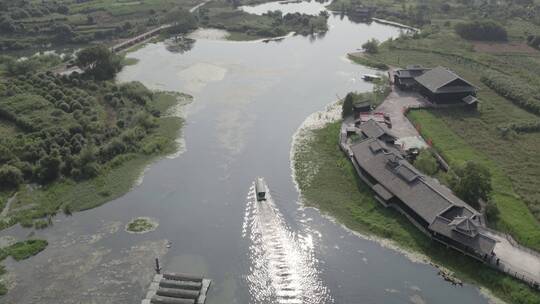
<point x="182" y="21"/>
<point x="486" y="30"/>
<point x="371" y="46"/>
<point x="300" y="23"/>
<point x="99" y="62"/>
<point x="352" y="98"/>
<point x="69" y="126"/>
<point x="13" y="11"/>
<point x="513" y="89"/>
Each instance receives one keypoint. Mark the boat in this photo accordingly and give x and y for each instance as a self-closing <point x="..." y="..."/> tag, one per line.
<point x="260" y="189"/>
<point x="371" y="77"/>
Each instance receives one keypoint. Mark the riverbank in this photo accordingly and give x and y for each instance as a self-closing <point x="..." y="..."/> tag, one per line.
<point x="327" y="181"/>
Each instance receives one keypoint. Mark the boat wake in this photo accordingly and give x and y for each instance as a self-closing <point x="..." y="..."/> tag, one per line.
<point x="283" y="265"/>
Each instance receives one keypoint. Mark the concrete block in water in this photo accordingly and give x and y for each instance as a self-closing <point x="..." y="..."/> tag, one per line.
<point x="165" y="300"/>
<point x="182" y="277"/>
<point x="178" y="293"/>
<point x="190" y="285"/>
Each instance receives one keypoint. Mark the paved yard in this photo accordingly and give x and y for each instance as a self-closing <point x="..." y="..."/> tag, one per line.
<point x="394" y="106"/>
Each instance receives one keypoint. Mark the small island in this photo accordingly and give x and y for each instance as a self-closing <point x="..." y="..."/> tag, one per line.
<point x="141" y="225"/>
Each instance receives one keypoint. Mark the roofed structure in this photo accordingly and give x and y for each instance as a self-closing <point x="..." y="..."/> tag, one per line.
<point x="430" y="205"/>
<point x="441" y="85"/>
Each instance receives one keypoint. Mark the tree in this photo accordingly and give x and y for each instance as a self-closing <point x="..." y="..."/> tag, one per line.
<point x="182" y="21"/>
<point x="49" y="167"/>
<point x="63" y="33"/>
<point x="426" y="162"/>
<point x="371" y="46"/>
<point x="98" y="62"/>
<point x="347" y="107"/>
<point x="473" y="183"/>
<point x="10" y="177"/>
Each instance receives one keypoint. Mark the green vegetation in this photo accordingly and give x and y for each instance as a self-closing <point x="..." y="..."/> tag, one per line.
<point x="84" y="142"/>
<point x="34" y="24"/>
<point x="514" y="90"/>
<point x="473" y="183"/>
<point x="481" y="30"/>
<point x="243" y="26"/>
<point x="371" y="46"/>
<point x="182" y="21"/>
<point x="20" y="251"/>
<point x="141" y="225"/>
<point x="426" y="162"/>
<point x="23" y="250"/>
<point x="521" y="127"/>
<point x="98" y="62"/>
<point x="381" y="89"/>
<point x="363" y="60"/>
<point x="331" y="184"/>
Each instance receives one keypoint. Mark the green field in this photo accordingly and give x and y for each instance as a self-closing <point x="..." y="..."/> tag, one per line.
<point x="328" y="182"/>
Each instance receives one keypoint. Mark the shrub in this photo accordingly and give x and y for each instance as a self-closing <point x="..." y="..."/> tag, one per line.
<point x="371" y="46"/>
<point x="516" y="91"/>
<point x="481" y="30"/>
<point x="10" y="177"/>
<point x="426" y="162"/>
<point x="473" y="183"/>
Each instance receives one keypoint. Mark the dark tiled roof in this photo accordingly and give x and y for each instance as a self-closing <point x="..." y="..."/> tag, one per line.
<point x="478" y="242"/>
<point x="435" y="80"/>
<point x="444" y="212"/>
<point x="372" y="129"/>
<point x="400" y="178"/>
<point x="410" y="73"/>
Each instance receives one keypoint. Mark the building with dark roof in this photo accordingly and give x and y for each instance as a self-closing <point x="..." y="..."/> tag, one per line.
<point x="404" y="78"/>
<point x="432" y="207"/>
<point x="439" y="85"/>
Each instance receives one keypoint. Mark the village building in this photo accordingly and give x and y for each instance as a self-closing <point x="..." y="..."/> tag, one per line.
<point x="432" y="207"/>
<point x="404" y="78"/>
<point x="439" y="85"/>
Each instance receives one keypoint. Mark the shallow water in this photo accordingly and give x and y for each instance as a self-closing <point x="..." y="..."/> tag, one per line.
<point x="249" y="99"/>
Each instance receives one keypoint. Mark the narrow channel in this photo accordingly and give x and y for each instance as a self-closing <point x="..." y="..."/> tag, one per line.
<point x="249" y="100"/>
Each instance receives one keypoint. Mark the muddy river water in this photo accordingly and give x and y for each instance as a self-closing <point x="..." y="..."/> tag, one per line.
<point x="249" y="99"/>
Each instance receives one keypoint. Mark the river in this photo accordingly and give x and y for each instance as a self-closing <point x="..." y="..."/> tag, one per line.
<point x="249" y="99"/>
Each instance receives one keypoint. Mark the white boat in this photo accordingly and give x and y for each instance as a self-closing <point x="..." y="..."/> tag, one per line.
<point x="260" y="189"/>
<point x="371" y="77"/>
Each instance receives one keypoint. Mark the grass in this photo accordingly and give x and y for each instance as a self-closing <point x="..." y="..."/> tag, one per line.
<point x="328" y="181"/>
<point x="140" y="225"/>
<point x="19" y="251"/>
